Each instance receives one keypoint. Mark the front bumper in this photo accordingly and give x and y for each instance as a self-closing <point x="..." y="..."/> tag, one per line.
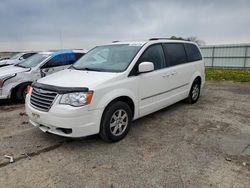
<point x="3" y="95"/>
<point x="65" y="120"/>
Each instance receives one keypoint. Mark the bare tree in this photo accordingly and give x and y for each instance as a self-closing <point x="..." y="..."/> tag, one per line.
<point x="177" y="38"/>
<point x="196" y="40"/>
<point x="192" y="39"/>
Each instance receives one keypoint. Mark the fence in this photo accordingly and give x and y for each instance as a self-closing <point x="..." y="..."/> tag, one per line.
<point x="227" y="56"/>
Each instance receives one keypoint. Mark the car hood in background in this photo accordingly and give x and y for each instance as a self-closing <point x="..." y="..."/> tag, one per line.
<point x="7" y="70"/>
<point x="9" y="62"/>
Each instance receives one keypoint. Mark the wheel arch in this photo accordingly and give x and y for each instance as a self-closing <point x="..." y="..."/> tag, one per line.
<point x="198" y="76"/>
<point x="123" y="95"/>
<point x="14" y="90"/>
<point x="126" y="100"/>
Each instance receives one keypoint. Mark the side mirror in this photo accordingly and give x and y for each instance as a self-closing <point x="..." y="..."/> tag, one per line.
<point x="43" y="72"/>
<point x="146" y="67"/>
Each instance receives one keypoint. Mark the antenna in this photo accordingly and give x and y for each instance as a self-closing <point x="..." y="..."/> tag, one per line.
<point x="61" y="42"/>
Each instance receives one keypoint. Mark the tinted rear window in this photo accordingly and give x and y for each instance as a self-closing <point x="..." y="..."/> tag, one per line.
<point x="193" y="53"/>
<point x="175" y="53"/>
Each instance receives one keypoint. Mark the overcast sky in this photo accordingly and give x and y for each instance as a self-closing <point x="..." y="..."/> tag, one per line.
<point x="52" y="24"/>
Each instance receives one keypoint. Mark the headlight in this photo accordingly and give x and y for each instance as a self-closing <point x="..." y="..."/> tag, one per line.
<point x="4" y="78"/>
<point x="77" y="99"/>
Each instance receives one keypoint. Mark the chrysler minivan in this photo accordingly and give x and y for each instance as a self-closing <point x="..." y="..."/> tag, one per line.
<point x="114" y="84"/>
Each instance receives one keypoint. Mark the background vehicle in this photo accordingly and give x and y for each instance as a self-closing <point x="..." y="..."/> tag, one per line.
<point x="4" y="58"/>
<point x="16" y="58"/>
<point x="114" y="84"/>
<point x="15" y="78"/>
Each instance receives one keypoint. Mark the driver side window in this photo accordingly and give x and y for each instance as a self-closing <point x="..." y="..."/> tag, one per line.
<point x="60" y="60"/>
<point x="49" y="64"/>
<point x="155" y="55"/>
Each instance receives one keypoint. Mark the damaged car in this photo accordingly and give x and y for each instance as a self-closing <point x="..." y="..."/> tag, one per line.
<point x="14" y="79"/>
<point x="17" y="58"/>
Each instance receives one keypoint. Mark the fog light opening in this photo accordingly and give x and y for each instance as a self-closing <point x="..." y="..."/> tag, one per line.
<point x="65" y="131"/>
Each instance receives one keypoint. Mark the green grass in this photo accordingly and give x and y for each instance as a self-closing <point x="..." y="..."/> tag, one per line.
<point x="240" y="75"/>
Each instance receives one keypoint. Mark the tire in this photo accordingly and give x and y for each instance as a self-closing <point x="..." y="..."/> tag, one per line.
<point x="21" y="93"/>
<point x="194" y="93"/>
<point x="116" y="121"/>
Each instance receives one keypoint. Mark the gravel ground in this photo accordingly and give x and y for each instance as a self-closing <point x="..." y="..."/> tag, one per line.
<point x="202" y="145"/>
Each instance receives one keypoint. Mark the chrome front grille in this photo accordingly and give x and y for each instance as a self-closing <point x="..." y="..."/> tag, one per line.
<point x="42" y="99"/>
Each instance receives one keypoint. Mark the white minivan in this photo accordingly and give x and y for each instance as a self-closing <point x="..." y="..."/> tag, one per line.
<point x="114" y="84"/>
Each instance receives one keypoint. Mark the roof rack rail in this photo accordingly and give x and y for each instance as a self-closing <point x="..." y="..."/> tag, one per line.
<point x="168" y="39"/>
<point x="115" y="41"/>
<point x="160" y="38"/>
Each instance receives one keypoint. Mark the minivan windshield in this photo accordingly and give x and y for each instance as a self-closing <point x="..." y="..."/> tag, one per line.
<point x="32" y="61"/>
<point x="108" y="58"/>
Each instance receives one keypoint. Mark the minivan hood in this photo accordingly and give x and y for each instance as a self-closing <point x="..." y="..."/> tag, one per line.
<point x="77" y="78"/>
<point x="7" y="70"/>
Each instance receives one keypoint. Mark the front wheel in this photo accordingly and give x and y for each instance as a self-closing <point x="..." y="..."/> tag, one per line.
<point x="21" y="93"/>
<point x="116" y="121"/>
<point x="194" y="93"/>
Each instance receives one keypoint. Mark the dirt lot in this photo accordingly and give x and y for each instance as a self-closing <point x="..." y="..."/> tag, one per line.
<point x="201" y="145"/>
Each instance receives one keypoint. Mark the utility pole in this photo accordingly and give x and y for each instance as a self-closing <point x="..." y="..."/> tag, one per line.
<point x="61" y="42"/>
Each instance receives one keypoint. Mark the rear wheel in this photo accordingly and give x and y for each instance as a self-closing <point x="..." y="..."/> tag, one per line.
<point x="115" y="122"/>
<point x="194" y="93"/>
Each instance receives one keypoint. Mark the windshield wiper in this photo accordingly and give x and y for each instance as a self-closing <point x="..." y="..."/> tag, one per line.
<point x="89" y="69"/>
<point x="18" y="65"/>
<point x="85" y="68"/>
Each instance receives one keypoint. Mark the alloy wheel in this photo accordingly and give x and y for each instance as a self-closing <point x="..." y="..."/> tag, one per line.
<point x="118" y="122"/>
